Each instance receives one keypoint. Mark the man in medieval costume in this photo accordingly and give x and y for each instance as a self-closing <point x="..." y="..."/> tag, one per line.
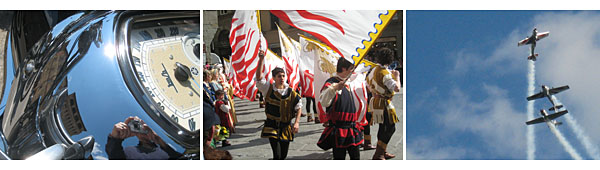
<point x="282" y="104"/>
<point x="342" y="133"/>
<point x="382" y="84"/>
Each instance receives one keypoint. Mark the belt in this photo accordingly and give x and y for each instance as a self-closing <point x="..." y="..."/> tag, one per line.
<point x="380" y="96"/>
<point x="279" y="125"/>
<point x="342" y="124"/>
<point x="276" y="123"/>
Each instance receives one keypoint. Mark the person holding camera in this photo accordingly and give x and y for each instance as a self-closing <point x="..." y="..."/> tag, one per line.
<point x="150" y="145"/>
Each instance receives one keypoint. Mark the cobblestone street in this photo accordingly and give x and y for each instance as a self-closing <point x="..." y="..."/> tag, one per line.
<point x="247" y="144"/>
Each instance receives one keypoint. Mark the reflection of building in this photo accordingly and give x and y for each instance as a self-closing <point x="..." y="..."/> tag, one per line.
<point x="49" y="74"/>
<point x="69" y="115"/>
<point x="390" y="37"/>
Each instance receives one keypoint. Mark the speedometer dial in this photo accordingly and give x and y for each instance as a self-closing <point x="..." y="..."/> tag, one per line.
<point x="167" y="64"/>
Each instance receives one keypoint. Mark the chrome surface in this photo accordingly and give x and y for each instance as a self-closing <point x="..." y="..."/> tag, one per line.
<point x="75" y="84"/>
<point x="54" y="152"/>
<point x="3" y="156"/>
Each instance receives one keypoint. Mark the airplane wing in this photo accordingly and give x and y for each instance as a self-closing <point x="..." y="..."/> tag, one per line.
<point x="534" y="121"/>
<point x="542" y="35"/>
<point x="556" y="115"/>
<point x="558" y="89"/>
<point x="523" y="42"/>
<point x="535" y="96"/>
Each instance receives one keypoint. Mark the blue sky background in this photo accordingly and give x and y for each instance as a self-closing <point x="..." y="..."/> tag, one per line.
<point x="467" y="82"/>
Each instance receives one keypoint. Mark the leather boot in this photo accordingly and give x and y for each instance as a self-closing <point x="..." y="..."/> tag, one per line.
<point x="225" y="143"/>
<point x="367" y="145"/>
<point x="388" y="155"/>
<point x="379" y="151"/>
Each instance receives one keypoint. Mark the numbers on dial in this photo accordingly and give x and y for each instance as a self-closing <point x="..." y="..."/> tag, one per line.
<point x="175" y="118"/>
<point x="174" y="31"/>
<point x="150" y="91"/>
<point x="192" y="124"/>
<point x="141" y="76"/>
<point x="137" y="61"/>
<point x="161" y="106"/>
<point x="160" y="33"/>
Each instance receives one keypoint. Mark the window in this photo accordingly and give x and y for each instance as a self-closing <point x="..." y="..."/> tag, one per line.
<point x="223" y="12"/>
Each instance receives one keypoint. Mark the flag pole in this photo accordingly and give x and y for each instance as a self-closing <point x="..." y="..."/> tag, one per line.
<point x="259" y="29"/>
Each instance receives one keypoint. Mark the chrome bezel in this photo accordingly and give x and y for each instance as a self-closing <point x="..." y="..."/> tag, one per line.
<point x="183" y="136"/>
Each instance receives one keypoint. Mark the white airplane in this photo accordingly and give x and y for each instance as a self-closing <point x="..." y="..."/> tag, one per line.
<point x="548" y="118"/>
<point x="535" y="36"/>
<point x="548" y="92"/>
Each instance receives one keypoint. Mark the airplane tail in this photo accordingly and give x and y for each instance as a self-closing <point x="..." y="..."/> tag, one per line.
<point x="557" y="123"/>
<point x="557" y="107"/>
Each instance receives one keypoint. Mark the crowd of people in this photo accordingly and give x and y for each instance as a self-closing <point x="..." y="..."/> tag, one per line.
<point x="219" y="112"/>
<point x="283" y="109"/>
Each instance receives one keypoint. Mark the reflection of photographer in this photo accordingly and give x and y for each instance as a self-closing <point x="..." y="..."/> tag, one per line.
<point x="150" y="145"/>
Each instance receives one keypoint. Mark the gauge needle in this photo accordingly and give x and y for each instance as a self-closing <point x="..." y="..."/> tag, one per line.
<point x="196" y="82"/>
<point x="183" y="74"/>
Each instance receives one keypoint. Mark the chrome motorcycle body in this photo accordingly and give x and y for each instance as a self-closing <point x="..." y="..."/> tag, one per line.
<point x="77" y="81"/>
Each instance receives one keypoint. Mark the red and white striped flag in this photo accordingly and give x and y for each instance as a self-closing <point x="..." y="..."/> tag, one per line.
<point x="349" y="33"/>
<point x="246" y="39"/>
<point x="290" y="51"/>
<point x="230" y="73"/>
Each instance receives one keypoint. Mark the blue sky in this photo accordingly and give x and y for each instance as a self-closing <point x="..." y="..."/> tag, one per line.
<point x="467" y="83"/>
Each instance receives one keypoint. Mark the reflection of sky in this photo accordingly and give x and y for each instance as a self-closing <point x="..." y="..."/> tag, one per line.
<point x="9" y="78"/>
<point x="467" y="81"/>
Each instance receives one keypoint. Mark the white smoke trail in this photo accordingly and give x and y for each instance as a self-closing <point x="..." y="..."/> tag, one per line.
<point x="591" y="149"/>
<point x="530" y="116"/>
<point x="530" y="129"/>
<point x="564" y="142"/>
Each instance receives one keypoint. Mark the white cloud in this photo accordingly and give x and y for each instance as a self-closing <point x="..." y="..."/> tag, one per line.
<point x="506" y="58"/>
<point x="424" y="98"/>
<point x="425" y="148"/>
<point x="493" y="120"/>
<point x="571" y="56"/>
<point x="97" y="152"/>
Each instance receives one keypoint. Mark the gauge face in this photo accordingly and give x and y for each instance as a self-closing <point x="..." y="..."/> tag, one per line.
<point x="168" y="68"/>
